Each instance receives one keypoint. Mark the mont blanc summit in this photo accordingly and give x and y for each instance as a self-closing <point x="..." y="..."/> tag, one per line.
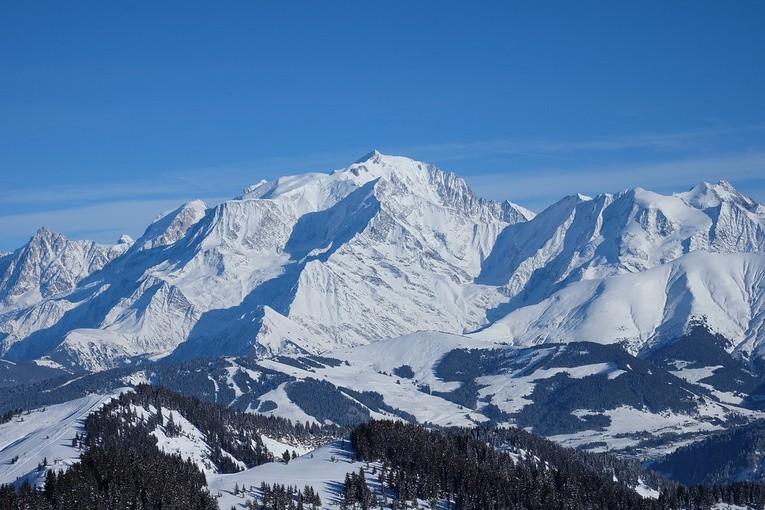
<point x="386" y="247"/>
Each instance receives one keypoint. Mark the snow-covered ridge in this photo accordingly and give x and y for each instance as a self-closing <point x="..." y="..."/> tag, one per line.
<point x="706" y="196"/>
<point x="384" y="247"/>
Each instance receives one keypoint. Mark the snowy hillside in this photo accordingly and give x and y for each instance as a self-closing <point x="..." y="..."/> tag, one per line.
<point x="589" y="395"/>
<point x="141" y="429"/>
<point x="38" y="440"/>
<point x="385" y="247"/>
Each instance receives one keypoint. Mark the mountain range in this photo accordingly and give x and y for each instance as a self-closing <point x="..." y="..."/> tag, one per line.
<point x="628" y="322"/>
<point x="386" y="247"/>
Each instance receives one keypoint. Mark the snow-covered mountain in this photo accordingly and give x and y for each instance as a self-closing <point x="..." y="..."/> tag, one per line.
<point x="647" y="308"/>
<point x="582" y="238"/>
<point x="385" y="247"/>
<point x="50" y="265"/>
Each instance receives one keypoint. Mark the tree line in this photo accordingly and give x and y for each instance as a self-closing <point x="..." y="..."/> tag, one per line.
<point x="459" y="469"/>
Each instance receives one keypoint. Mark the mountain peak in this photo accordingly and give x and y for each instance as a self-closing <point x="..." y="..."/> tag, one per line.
<point x="43" y="232"/>
<point x="706" y="195"/>
<point x="45" y="236"/>
<point x="170" y="226"/>
<point x="375" y="154"/>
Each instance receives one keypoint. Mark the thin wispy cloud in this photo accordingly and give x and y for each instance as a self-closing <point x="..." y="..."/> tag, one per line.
<point x="541" y="188"/>
<point x="226" y="180"/>
<point x="106" y="220"/>
<point x="535" y="172"/>
<point x="687" y="140"/>
<point x="556" y="148"/>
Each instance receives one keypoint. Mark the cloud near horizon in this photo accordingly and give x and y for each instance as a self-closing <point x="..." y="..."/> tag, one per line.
<point x="543" y="187"/>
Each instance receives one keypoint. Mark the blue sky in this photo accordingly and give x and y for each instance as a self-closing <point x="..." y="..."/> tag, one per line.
<point x="112" y="112"/>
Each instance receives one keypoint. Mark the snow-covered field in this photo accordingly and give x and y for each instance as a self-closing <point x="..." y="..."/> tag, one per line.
<point x="44" y="434"/>
<point x="324" y="469"/>
<point x="370" y="368"/>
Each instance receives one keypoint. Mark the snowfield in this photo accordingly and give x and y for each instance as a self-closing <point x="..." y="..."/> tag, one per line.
<point x="44" y="434"/>
<point x="324" y="469"/>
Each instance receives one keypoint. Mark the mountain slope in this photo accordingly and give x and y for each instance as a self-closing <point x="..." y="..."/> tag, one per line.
<point x="582" y="394"/>
<point x="582" y="238"/>
<point x="642" y="309"/>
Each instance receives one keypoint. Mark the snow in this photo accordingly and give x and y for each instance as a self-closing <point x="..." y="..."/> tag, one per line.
<point x="646" y="491"/>
<point x="311" y="262"/>
<point x="170" y="226"/>
<point x="385" y="247"/>
<point x="136" y="378"/>
<point x="190" y="443"/>
<point x="628" y="423"/>
<point x="44" y="433"/>
<point x="285" y="408"/>
<point x="706" y="196"/>
<point x="695" y="375"/>
<point x="636" y="308"/>
<point x="511" y="392"/>
<point x="277" y="448"/>
<point x="316" y="469"/>
<point x="370" y="368"/>
<point x="421" y="351"/>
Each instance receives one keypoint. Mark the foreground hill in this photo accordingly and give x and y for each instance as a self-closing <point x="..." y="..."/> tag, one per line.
<point x="584" y="394"/>
<point x="152" y="448"/>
